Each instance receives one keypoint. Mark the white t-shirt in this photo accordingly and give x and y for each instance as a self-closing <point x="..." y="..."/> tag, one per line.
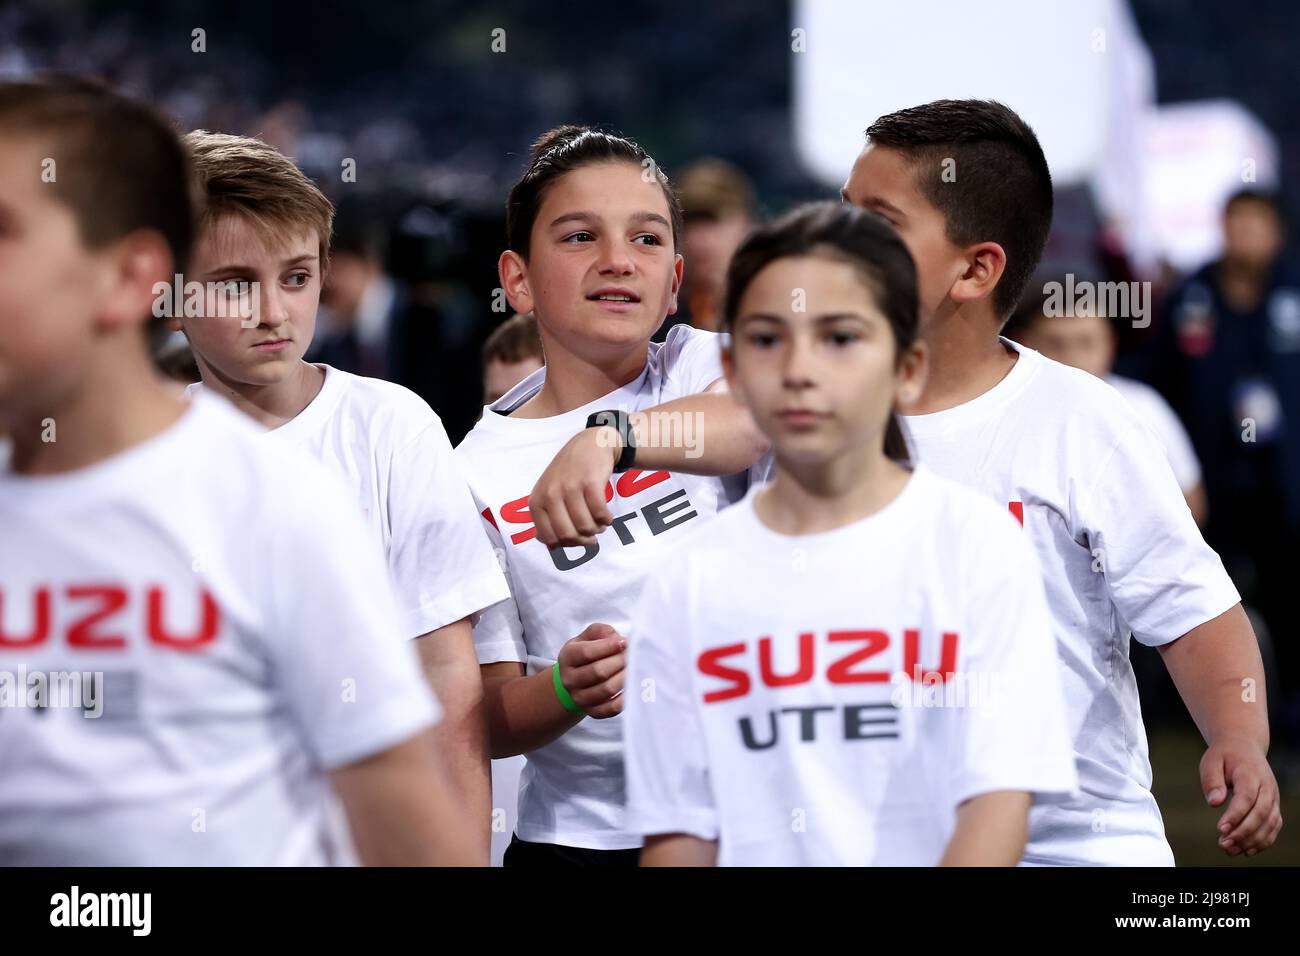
<point x="1119" y="554"/>
<point x="778" y="699"/>
<point x="391" y="451"/>
<point x="572" y="789"/>
<point x="249" y="642"/>
<point x="1163" y="420"/>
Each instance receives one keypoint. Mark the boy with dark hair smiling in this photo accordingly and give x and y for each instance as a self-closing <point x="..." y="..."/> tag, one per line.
<point x="966" y="185"/>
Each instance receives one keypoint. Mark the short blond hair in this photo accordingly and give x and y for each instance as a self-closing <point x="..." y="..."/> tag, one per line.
<point x="245" y="177"/>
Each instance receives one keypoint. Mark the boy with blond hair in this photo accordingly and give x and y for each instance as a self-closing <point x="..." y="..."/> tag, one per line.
<point x="263" y="235"/>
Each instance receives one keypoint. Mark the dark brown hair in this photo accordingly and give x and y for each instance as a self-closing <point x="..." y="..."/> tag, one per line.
<point x="846" y="234"/>
<point x="1000" y="190"/>
<point x="560" y="151"/>
<point x="119" y="164"/>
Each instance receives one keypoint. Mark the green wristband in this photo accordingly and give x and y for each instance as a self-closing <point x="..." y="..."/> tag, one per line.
<point x="563" y="694"/>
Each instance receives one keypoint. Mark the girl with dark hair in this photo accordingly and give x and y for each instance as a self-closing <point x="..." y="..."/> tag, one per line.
<point x="584" y="470"/>
<point x="854" y="665"/>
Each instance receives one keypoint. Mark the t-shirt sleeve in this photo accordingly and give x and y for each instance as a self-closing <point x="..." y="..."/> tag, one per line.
<point x="335" y="636"/>
<point x="442" y="565"/>
<point x="668" y="789"/>
<point x="1010" y="728"/>
<point x="1162" y="576"/>
<point x="692" y="359"/>
<point x="498" y="629"/>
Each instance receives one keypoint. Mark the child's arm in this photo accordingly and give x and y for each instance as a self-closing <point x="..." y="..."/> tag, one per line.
<point x="991" y="830"/>
<point x="402" y="810"/>
<point x="524" y="712"/>
<point x="451" y="667"/>
<point x="1219" y="673"/>
<point x="705" y="434"/>
<point x="1173" y="592"/>
<point x="679" y="849"/>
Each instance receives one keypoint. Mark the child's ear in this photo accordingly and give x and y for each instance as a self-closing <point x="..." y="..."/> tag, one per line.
<point x="513" y="272"/>
<point x="679" y="269"/>
<point x="985" y="263"/>
<point x="137" y="269"/>
<point x="912" y="373"/>
<point x="729" y="376"/>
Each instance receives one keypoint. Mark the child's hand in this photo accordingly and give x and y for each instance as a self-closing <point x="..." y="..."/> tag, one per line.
<point x="591" y="670"/>
<point x="568" y="502"/>
<point x="1254" y="817"/>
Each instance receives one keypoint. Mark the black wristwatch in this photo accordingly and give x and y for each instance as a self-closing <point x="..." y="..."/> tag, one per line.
<point x="619" y="420"/>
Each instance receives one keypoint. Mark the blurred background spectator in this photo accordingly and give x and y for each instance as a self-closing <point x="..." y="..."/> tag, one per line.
<point x="511" y="353"/>
<point x="1229" y="357"/>
<point x="718" y="209"/>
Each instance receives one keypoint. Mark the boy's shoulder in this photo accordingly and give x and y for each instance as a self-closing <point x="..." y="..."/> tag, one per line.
<point x="1071" y="399"/>
<point x="683" y="333"/>
<point x="685" y="343"/>
<point x="486" y="438"/>
<point x="377" y="400"/>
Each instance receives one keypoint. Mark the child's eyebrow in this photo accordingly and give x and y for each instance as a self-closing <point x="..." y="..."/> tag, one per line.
<point x="588" y="216"/>
<point x="875" y="202"/>
<point x="826" y="318"/>
<point x="651" y="217"/>
<point x="581" y="216"/>
<point x="871" y="202"/>
<point x="241" y="267"/>
<point x="228" y="267"/>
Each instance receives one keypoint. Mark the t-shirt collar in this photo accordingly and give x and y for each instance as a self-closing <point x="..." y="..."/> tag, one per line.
<point x="496" y="415"/>
<point x="320" y="408"/>
<point x="982" y="406"/>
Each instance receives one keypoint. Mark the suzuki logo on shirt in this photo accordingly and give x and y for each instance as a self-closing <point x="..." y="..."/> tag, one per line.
<point x="854" y="648"/>
<point x="659" y="516"/>
<point x="98" y="617"/>
<point x="846" y="654"/>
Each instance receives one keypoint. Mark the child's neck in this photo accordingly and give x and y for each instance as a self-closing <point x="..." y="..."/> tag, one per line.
<point x="573" y="381"/>
<point x="119" y="404"/>
<point x="269" y="405"/>
<point x="810" y="499"/>
<point x="965" y="361"/>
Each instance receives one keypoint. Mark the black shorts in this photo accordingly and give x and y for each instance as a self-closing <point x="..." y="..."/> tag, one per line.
<point x="521" y="853"/>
